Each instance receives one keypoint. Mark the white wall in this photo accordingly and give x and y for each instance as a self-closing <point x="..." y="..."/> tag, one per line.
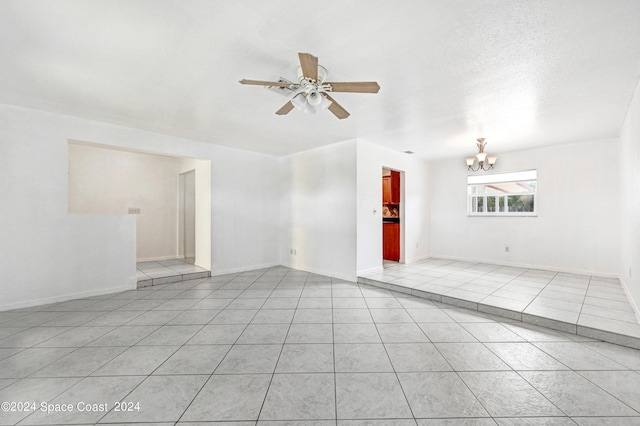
<point x="47" y="254"/>
<point x="244" y="210"/>
<point x="577" y="224"/>
<point x="414" y="209"/>
<point x="109" y="181"/>
<point x="318" y="204"/>
<point x="630" y="201"/>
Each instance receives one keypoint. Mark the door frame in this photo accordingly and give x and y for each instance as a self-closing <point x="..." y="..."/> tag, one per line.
<point x="182" y="232"/>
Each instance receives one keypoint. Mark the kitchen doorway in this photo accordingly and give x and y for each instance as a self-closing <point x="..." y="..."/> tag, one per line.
<point x="187" y="216"/>
<point x="391" y="215"/>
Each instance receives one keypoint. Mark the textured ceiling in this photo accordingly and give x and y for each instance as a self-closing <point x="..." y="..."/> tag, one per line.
<point x="520" y="73"/>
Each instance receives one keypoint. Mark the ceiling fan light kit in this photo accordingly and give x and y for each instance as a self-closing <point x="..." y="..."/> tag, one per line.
<point x="483" y="158"/>
<point x="322" y="73"/>
<point x="312" y="92"/>
<point x="301" y="102"/>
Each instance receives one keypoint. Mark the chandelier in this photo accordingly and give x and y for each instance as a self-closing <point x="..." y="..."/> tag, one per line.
<point x="482" y="157"/>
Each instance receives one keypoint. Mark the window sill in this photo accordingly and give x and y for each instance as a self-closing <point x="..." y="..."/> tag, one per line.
<point x="502" y="215"/>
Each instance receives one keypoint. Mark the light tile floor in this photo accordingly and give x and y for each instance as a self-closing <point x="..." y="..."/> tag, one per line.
<point x="280" y="346"/>
<point x="167" y="271"/>
<point x="588" y="305"/>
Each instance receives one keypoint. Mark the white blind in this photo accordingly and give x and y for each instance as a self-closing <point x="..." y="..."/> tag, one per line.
<point x="503" y="177"/>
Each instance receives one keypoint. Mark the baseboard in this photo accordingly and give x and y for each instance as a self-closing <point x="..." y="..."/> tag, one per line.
<point x="370" y="271"/>
<point x="156" y="259"/>
<point x="66" y="297"/>
<point x="416" y="259"/>
<point x="528" y="266"/>
<point x="332" y="274"/>
<point x="380" y="268"/>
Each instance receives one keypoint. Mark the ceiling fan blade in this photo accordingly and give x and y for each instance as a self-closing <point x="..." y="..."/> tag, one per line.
<point x="355" y="87"/>
<point x="266" y="83"/>
<point x="286" y="108"/>
<point x="309" y="65"/>
<point x="336" y="108"/>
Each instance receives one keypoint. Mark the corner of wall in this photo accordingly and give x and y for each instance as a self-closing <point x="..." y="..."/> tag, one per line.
<point x="632" y="301"/>
<point x="629" y="209"/>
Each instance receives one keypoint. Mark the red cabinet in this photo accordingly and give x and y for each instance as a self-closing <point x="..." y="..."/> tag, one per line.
<point x="395" y="187"/>
<point x="391" y="241"/>
<point x="386" y="189"/>
<point x="391" y="188"/>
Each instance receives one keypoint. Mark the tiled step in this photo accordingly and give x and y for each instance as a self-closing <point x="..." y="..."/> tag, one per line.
<point x="167" y="272"/>
<point x="172" y="279"/>
<point x="592" y="307"/>
<point x="632" y="339"/>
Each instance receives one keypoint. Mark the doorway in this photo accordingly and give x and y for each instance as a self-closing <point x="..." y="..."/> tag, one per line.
<point x="391" y="215"/>
<point x="187" y="216"/>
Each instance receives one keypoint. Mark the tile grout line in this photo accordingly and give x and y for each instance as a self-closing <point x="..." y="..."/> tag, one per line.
<point x="584" y="298"/>
<point x="456" y="371"/>
<point x="221" y="359"/>
<point x="404" y="394"/>
<point x="578" y="372"/>
<point x="275" y="367"/>
<point x="161" y="364"/>
<point x="543" y="395"/>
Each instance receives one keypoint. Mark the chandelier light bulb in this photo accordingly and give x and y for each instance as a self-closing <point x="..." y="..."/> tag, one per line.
<point x="314" y="98"/>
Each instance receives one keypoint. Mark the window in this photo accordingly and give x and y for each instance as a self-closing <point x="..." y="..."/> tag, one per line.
<point x="504" y="194"/>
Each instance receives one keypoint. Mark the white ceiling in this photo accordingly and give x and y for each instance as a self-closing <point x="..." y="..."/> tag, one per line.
<point x="520" y="73"/>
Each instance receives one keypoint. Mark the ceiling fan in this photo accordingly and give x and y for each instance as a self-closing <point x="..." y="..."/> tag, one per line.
<point x="312" y="91"/>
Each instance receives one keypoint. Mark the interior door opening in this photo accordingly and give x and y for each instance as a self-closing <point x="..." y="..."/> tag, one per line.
<point x="391" y="215"/>
<point x="187" y="216"/>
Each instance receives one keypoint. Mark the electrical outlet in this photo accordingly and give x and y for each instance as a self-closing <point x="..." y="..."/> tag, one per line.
<point x="134" y="210"/>
<point x="506" y="248"/>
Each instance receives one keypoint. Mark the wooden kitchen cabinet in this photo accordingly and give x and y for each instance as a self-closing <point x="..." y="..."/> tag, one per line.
<point x="386" y="189"/>
<point x="395" y="187"/>
<point x="391" y="241"/>
<point x="391" y="188"/>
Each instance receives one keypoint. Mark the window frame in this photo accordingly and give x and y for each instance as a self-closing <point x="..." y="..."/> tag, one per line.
<point x="475" y="200"/>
